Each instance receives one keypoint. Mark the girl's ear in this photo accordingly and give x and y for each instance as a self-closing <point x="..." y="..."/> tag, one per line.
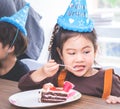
<point x="96" y="50"/>
<point x="58" y="50"/>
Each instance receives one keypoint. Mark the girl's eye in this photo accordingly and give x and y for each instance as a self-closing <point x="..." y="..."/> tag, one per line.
<point x="71" y="53"/>
<point x="86" y="52"/>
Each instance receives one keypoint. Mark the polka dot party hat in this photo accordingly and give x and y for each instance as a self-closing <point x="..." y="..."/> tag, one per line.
<point x="76" y="17"/>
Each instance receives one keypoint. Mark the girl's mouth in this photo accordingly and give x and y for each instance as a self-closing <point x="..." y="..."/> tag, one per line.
<point x="79" y="67"/>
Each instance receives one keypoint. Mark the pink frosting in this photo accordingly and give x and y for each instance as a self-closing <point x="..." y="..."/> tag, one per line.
<point x="67" y="86"/>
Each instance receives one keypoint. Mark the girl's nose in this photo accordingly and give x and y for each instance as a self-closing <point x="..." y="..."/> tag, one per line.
<point x="80" y="57"/>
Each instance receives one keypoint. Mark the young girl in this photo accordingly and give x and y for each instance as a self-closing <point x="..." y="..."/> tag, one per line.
<point x="74" y="48"/>
<point x="12" y="44"/>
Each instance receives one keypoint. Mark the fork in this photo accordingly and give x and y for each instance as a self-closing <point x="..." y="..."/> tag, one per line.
<point x="67" y="66"/>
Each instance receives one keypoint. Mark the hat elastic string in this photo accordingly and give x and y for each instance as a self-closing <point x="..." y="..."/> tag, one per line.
<point x="14" y="38"/>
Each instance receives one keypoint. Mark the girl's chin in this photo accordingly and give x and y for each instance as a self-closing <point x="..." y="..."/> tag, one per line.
<point x="78" y="74"/>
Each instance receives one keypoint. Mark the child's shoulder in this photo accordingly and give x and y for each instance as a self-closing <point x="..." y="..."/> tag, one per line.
<point x="102" y="72"/>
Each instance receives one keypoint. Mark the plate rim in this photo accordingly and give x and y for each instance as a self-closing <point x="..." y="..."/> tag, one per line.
<point x="77" y="97"/>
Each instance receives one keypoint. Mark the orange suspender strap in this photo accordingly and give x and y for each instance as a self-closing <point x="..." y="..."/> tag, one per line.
<point x="61" y="78"/>
<point x="107" y="83"/>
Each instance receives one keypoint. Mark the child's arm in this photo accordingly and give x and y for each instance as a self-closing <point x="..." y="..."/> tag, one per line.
<point x="113" y="99"/>
<point x="34" y="79"/>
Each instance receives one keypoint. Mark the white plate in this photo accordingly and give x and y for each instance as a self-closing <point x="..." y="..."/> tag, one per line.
<point x="29" y="99"/>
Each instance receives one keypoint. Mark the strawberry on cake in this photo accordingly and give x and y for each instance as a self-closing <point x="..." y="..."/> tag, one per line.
<point x="51" y="94"/>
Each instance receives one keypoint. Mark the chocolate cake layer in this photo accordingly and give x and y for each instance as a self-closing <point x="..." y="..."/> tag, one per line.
<point x="53" y="96"/>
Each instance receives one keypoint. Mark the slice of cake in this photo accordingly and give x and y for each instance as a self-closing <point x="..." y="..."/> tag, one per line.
<point x="51" y="94"/>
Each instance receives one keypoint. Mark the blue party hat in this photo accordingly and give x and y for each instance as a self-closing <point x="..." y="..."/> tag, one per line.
<point x="18" y="19"/>
<point x="76" y="17"/>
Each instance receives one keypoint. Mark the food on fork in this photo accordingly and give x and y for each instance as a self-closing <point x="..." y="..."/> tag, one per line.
<point x="51" y="94"/>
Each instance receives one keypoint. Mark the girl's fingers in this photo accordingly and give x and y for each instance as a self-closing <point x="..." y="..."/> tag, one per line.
<point x="113" y="99"/>
<point x="51" y="69"/>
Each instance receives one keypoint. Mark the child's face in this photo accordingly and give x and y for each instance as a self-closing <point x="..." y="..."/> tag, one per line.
<point x="3" y="51"/>
<point x="78" y="53"/>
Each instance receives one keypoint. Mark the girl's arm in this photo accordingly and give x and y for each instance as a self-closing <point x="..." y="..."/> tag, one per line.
<point x="35" y="79"/>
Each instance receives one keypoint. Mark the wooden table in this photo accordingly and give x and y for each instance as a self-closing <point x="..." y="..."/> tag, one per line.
<point x="7" y="88"/>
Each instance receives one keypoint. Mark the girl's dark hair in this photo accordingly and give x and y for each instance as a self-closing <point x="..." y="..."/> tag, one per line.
<point x="7" y="35"/>
<point x="60" y="36"/>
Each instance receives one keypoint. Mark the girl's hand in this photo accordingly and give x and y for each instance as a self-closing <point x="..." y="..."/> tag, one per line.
<point x="113" y="99"/>
<point x="50" y="68"/>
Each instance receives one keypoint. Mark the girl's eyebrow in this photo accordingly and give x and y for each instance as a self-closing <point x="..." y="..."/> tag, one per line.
<point x="70" y="49"/>
<point x="82" y="48"/>
<point x="86" y="47"/>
